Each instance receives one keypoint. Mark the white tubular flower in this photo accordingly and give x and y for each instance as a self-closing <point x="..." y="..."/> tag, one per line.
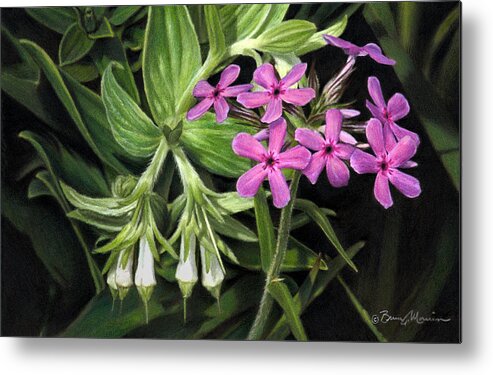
<point x="145" y="279"/>
<point x="186" y="271"/>
<point x="213" y="279"/>
<point x="123" y="274"/>
<point x="111" y="281"/>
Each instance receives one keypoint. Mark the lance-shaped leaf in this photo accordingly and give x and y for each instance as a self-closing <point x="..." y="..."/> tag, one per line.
<point x="243" y="21"/>
<point x="123" y="13"/>
<point x="171" y="59"/>
<point x="217" y="43"/>
<point x="131" y="127"/>
<point x="280" y="292"/>
<point x="233" y="228"/>
<point x="55" y="18"/>
<point x="317" y="41"/>
<point x="265" y="229"/>
<point x="74" y="46"/>
<point x="285" y="37"/>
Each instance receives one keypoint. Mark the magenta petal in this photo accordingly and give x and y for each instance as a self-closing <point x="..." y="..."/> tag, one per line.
<point x="298" y="96"/>
<point x="233" y="91"/>
<point x="409" y="164"/>
<point x="247" y="146"/>
<point x="315" y="167"/>
<point x="406" y="184"/>
<point x="294" y="75"/>
<point x="279" y="188"/>
<point x="347" y="138"/>
<point x="343" y="151"/>
<point x="202" y="89"/>
<point x="375" y="111"/>
<point x="381" y="190"/>
<point x="309" y="138"/>
<point x="297" y="158"/>
<point x="264" y="75"/>
<point x="389" y="137"/>
<point x="349" y="113"/>
<point x="222" y="108"/>
<point x="374" y="134"/>
<point x="254" y="99"/>
<point x="249" y="182"/>
<point x="398" y="106"/>
<point x="262" y="135"/>
<point x="277" y="133"/>
<point x="363" y="162"/>
<point x="402" y="152"/>
<point x="333" y="125"/>
<point x="375" y="91"/>
<point x="376" y="54"/>
<point x="273" y="111"/>
<point x="229" y="75"/>
<point x="400" y="132"/>
<point x="338" y="42"/>
<point x="337" y="172"/>
<point x="201" y="108"/>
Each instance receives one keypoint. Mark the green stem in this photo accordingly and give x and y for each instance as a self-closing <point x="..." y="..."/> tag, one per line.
<point x="266" y="302"/>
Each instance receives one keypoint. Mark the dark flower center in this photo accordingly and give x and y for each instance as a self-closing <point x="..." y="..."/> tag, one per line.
<point x="328" y="149"/>
<point x="277" y="91"/>
<point x="216" y="93"/>
<point x="387" y="114"/>
<point x="384" y="166"/>
<point x="270" y="161"/>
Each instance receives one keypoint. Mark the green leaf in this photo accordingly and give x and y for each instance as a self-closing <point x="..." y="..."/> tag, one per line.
<point x="37" y="188"/>
<point x="233" y="228"/>
<point x="318" y="216"/>
<point x="123" y="13"/>
<point x="55" y="18"/>
<point x="274" y="18"/>
<point x="316" y="41"/>
<point x="82" y="71"/>
<point x="441" y="128"/>
<point x="131" y="127"/>
<point x="217" y="43"/>
<point x="74" y="46"/>
<point x="104" y="30"/>
<point x="285" y="37"/>
<point x="209" y="144"/>
<point x="105" y="223"/>
<point x="265" y="229"/>
<point x="243" y="21"/>
<point x="171" y="59"/>
<point x="232" y="203"/>
<point x="280" y="292"/>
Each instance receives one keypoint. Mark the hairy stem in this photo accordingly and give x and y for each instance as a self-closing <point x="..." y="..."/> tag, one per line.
<point x="266" y="302"/>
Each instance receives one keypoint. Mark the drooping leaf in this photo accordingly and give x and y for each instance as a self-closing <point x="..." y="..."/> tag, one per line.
<point x="233" y="228"/>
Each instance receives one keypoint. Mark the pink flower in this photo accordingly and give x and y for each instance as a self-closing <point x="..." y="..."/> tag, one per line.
<point x="270" y="163"/>
<point x="388" y="113"/>
<point x="216" y="95"/>
<point x="353" y="51"/>
<point x="276" y="91"/>
<point x="330" y="152"/>
<point x="385" y="164"/>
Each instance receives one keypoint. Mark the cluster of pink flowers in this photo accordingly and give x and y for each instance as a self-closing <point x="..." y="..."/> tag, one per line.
<point x="392" y="145"/>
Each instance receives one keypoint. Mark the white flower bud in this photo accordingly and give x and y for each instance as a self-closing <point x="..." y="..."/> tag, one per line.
<point x="111" y="281"/>
<point x="186" y="271"/>
<point x="212" y="279"/>
<point x="145" y="279"/>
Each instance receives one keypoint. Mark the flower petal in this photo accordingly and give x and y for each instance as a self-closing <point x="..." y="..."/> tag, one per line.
<point x="400" y="132"/>
<point x="333" y="125"/>
<point x="343" y="151"/>
<point x="253" y="99"/>
<point x="402" y="152"/>
<point x="297" y="158"/>
<point x="265" y="76"/>
<point x="249" y="182"/>
<point x="337" y="171"/>
<point x="376" y="54"/>
<point x="375" y="91"/>
<point x="309" y="138"/>
<point x="298" y="96"/>
<point x="262" y="135"/>
<point x="203" y="89"/>
<point x="233" y="91"/>
<point x="273" y="111"/>
<point x="347" y="138"/>
<point x="375" y="111"/>
<point x="348" y="47"/>
<point x="247" y="146"/>
<point x="374" y="134"/>
<point x="381" y="190"/>
<point x="294" y="75"/>
<point x="279" y="188"/>
<point x="363" y="162"/>
<point x="398" y="106"/>
<point x="315" y="167"/>
<point x="349" y="113"/>
<point x="388" y="136"/>
<point x="277" y="133"/>
<point x="202" y="107"/>
<point x="222" y="108"/>
<point x="408" y="164"/>
<point x="229" y="75"/>
<point x="406" y="184"/>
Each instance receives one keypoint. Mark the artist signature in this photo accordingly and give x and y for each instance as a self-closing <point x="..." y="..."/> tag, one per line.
<point x="384" y="317"/>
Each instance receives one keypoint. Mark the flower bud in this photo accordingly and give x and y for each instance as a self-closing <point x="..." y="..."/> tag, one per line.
<point x="111" y="281"/>
<point x="186" y="271"/>
<point x="212" y="278"/>
<point x="145" y="279"/>
<point x="123" y="274"/>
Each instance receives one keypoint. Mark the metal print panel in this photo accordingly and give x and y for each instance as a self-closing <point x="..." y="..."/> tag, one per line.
<point x="232" y="172"/>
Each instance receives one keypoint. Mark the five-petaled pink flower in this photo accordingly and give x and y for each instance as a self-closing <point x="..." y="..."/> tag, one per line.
<point x="385" y="164"/>
<point x="337" y="146"/>
<point x="270" y="163"/>
<point x="389" y="113"/>
<point x="276" y="91"/>
<point x="216" y="95"/>
<point x="353" y="51"/>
